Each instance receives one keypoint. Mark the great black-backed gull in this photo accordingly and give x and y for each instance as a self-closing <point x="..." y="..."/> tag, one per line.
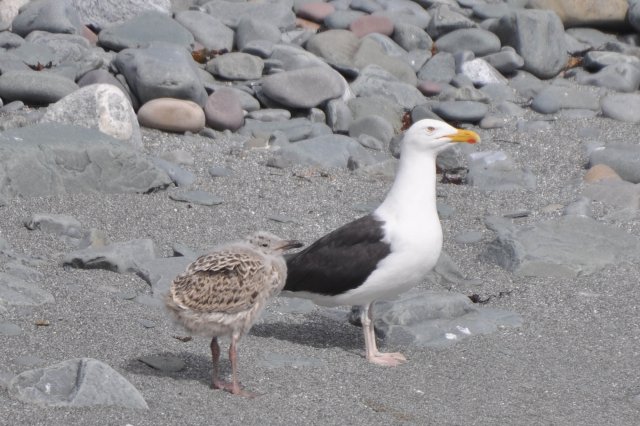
<point x="388" y="251"/>
<point x="224" y="292"/>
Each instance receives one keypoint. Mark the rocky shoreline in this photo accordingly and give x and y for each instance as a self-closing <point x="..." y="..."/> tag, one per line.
<point x="134" y="137"/>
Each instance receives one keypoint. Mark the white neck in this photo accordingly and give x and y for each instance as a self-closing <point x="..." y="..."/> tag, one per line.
<point x="412" y="196"/>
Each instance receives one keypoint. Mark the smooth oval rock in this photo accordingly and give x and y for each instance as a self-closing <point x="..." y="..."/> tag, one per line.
<point x="54" y="16"/>
<point x="506" y="61"/>
<point x="478" y="41"/>
<point x="623" y="107"/>
<point x="553" y="98"/>
<point x="466" y="111"/>
<point x="368" y="24"/>
<point x="315" y="11"/>
<point x="335" y="46"/>
<point x="236" y="66"/>
<point x="144" y="29"/>
<point x="231" y="12"/>
<point x="251" y="30"/>
<point x="223" y="110"/>
<point x="33" y="87"/>
<point x="374" y="126"/>
<point x="172" y="115"/>
<point x="303" y="88"/>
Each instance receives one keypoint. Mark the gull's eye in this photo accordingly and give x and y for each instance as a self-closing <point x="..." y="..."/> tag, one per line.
<point x="430" y="129"/>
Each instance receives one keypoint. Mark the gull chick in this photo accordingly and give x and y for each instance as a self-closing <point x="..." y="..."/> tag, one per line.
<point x="223" y="293"/>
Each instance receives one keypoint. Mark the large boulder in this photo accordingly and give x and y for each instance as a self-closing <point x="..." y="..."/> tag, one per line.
<point x="529" y="32"/>
<point x="587" y="13"/>
<point x="98" y="106"/>
<point x="161" y="71"/>
<point x="81" y="382"/>
<point x="54" y="158"/>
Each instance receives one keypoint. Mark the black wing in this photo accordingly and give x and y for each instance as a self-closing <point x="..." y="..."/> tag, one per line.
<point x="340" y="261"/>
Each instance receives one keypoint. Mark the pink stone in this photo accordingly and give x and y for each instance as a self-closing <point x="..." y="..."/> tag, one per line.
<point x="223" y="110"/>
<point x="306" y="24"/>
<point x="89" y="35"/>
<point x="429" y="88"/>
<point x="601" y="173"/>
<point x="316" y="11"/>
<point x="172" y="115"/>
<point x="371" y="24"/>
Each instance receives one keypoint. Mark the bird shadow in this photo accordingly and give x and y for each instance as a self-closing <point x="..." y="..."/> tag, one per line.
<point x="317" y="332"/>
<point x="197" y="367"/>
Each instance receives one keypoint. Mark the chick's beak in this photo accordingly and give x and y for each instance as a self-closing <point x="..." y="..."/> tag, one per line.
<point x="289" y="244"/>
<point x="468" y="136"/>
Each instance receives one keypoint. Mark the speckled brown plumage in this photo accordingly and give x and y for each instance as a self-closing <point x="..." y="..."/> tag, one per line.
<point x="223" y="293"/>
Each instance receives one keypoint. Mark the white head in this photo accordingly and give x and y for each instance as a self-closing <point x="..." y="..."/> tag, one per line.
<point x="270" y="243"/>
<point x="435" y="136"/>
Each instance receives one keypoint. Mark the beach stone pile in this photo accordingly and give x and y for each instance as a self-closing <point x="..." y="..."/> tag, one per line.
<point x="324" y="84"/>
<point x="321" y="83"/>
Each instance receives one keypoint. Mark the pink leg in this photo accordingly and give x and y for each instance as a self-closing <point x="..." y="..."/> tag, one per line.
<point x="216" y="383"/>
<point x="373" y="355"/>
<point x="233" y="357"/>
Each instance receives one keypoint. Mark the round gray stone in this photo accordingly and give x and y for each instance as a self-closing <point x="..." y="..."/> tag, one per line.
<point x="35" y="87"/>
<point x="303" y="88"/>
<point x="374" y="126"/>
<point x="466" y="111"/>
<point x="553" y="98"/>
<point x="506" y="61"/>
<point x="54" y="16"/>
<point x="623" y="107"/>
<point x="236" y="66"/>
<point x="251" y="30"/>
<point x="480" y="42"/>
<point x="144" y="29"/>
